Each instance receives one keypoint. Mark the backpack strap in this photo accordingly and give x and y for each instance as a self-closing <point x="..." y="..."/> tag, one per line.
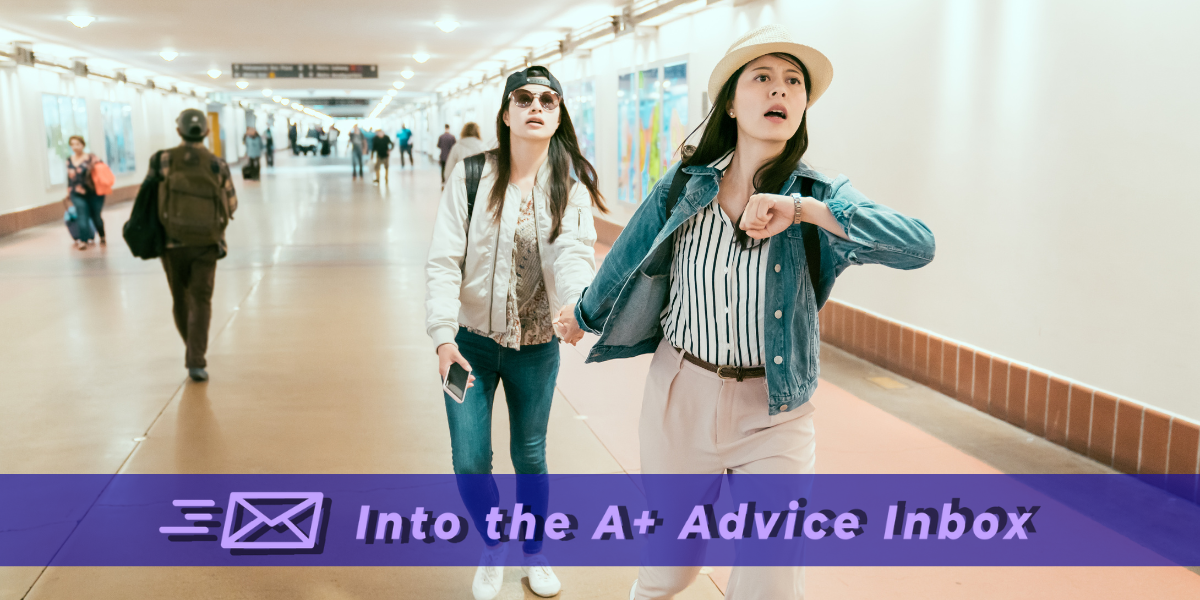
<point x="677" y="183"/>
<point x="812" y="244"/>
<point x="474" y="168"/>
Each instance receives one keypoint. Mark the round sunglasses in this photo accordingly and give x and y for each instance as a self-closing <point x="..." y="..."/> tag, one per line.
<point x="523" y="98"/>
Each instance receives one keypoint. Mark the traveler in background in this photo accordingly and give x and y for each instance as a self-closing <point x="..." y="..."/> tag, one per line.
<point x="468" y="144"/>
<point x="491" y="311"/>
<point x="270" y="147"/>
<point x="254" y="150"/>
<point x="445" y="143"/>
<point x="194" y="223"/>
<point x="293" y="136"/>
<point x="381" y="148"/>
<point x="404" y="136"/>
<point x="357" y="146"/>
<point x="81" y="194"/>
<point x="730" y="384"/>
<point x="334" y="133"/>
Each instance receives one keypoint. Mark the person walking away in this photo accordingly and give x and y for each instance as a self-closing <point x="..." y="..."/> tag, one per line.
<point x="495" y="275"/>
<point x="82" y="196"/>
<point x="293" y="136"/>
<point x="357" y="147"/>
<point x="744" y="230"/>
<point x="270" y="139"/>
<point x="333" y="140"/>
<point x="196" y="201"/>
<point x="468" y="144"/>
<point x="445" y="143"/>
<point x="381" y="148"/>
<point x="404" y="136"/>
<point x="254" y="150"/>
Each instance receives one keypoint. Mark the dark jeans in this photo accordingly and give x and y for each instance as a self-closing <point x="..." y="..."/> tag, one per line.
<point x="356" y="162"/>
<point x="270" y="157"/>
<point x="407" y="149"/>
<point x="191" y="273"/>
<point x="528" y="376"/>
<point x="87" y="211"/>
<point x="442" y="169"/>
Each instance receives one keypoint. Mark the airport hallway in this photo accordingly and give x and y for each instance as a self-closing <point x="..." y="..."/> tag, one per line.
<point x="319" y="363"/>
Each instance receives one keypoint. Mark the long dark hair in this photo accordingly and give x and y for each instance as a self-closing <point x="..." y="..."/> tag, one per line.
<point x="563" y="157"/>
<point x="720" y="136"/>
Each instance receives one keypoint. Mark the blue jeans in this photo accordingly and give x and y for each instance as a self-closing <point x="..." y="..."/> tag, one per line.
<point x="528" y="376"/>
<point x="356" y="162"/>
<point x="87" y="211"/>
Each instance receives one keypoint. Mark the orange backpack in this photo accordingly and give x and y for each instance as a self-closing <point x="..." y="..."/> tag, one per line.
<point x="102" y="178"/>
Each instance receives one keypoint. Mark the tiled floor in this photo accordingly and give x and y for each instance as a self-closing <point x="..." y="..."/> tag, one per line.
<point x="318" y="330"/>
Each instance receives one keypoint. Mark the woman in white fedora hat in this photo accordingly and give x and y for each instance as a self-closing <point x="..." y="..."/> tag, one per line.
<point x="721" y="273"/>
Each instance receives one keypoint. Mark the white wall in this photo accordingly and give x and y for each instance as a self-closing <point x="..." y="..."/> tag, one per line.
<point x="23" y="180"/>
<point x="1051" y="147"/>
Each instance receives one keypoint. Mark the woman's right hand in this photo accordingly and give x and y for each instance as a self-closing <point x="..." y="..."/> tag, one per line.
<point x="447" y="354"/>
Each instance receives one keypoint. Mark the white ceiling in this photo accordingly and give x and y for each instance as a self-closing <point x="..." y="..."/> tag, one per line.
<point x="216" y="33"/>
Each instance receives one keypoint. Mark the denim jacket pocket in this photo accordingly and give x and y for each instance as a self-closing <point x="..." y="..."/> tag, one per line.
<point x="644" y="292"/>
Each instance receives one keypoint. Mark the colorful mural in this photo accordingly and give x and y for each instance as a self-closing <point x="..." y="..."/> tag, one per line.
<point x="651" y="123"/>
<point x="581" y="101"/>
<point x="64" y="117"/>
<point x="118" y="136"/>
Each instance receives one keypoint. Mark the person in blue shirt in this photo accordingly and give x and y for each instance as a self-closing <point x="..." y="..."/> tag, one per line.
<point x="404" y="136"/>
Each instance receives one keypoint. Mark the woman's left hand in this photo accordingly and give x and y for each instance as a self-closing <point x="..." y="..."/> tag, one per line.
<point x="566" y="327"/>
<point x="767" y="215"/>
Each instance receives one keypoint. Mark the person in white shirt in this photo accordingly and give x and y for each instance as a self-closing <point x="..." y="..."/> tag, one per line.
<point x="468" y="144"/>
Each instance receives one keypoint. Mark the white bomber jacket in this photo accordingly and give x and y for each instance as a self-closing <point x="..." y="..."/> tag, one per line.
<point x="467" y="277"/>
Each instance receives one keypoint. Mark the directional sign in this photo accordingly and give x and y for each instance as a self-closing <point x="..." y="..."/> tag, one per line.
<point x="304" y="71"/>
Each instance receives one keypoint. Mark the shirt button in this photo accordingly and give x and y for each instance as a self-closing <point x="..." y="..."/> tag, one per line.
<point x="779" y="360"/>
<point x="776" y="268"/>
<point x="782" y="407"/>
<point x="779" y="314"/>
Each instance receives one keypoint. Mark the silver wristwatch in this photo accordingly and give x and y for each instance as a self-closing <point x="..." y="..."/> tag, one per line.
<point x="799" y="200"/>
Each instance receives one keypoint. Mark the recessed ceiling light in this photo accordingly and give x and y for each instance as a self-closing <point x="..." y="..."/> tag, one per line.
<point x="243" y="85"/>
<point x="266" y="92"/>
<point x="398" y="84"/>
<point x="276" y="98"/>
<point x="420" y="57"/>
<point x="391" y="92"/>
<point x="168" y="55"/>
<point x="447" y="26"/>
<point x="214" y="73"/>
<point x="407" y="74"/>
<point x="284" y="101"/>
<point x="81" y="21"/>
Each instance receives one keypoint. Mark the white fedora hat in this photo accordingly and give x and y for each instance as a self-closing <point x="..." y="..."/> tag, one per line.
<point x="770" y="39"/>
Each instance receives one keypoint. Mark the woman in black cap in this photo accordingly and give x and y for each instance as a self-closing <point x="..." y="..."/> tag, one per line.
<point x="499" y="269"/>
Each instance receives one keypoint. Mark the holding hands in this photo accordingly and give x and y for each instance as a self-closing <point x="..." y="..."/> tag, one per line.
<point x="566" y="327"/>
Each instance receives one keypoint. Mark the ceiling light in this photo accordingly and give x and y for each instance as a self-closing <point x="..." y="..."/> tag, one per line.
<point x="420" y="57"/>
<point x="214" y="73"/>
<point x="243" y="85"/>
<point x="446" y="26"/>
<point x="296" y="105"/>
<point x="266" y="92"/>
<point x="391" y="92"/>
<point x="398" y="84"/>
<point x="285" y="101"/>
<point x="168" y="55"/>
<point x="81" y="21"/>
<point x="407" y="74"/>
<point x="277" y="98"/>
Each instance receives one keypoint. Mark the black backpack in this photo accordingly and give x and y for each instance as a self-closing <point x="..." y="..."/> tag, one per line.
<point x="808" y="231"/>
<point x="143" y="232"/>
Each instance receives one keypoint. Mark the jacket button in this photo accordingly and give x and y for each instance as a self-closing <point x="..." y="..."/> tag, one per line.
<point x="779" y="360"/>
<point x="782" y="407"/>
<point x="779" y="314"/>
<point x="776" y="268"/>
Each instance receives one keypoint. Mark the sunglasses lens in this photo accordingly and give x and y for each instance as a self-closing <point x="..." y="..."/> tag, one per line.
<point x="522" y="98"/>
<point x="549" y="101"/>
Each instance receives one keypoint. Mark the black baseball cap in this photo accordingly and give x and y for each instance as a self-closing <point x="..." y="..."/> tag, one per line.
<point x="536" y="75"/>
<point x="193" y="124"/>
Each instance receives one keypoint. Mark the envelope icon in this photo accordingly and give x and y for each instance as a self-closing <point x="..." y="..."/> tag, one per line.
<point x="269" y="510"/>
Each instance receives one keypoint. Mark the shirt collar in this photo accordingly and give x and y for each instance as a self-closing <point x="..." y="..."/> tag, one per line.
<point x="722" y="163"/>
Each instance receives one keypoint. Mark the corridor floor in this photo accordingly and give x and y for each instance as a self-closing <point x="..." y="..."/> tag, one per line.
<point x="320" y="364"/>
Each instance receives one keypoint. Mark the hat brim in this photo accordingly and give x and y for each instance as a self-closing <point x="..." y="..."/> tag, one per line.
<point x="820" y="70"/>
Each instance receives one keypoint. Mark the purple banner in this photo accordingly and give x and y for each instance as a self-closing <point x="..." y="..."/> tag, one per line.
<point x="599" y="520"/>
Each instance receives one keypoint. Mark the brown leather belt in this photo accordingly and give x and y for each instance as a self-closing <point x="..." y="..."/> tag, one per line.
<point x="725" y="371"/>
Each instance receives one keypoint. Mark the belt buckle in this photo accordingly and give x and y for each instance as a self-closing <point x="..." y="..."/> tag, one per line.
<point x="723" y="369"/>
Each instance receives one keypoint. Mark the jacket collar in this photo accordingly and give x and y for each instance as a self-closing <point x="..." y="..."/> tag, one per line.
<point x="717" y="167"/>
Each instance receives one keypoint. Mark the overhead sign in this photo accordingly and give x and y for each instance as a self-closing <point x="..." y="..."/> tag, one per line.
<point x="322" y="102"/>
<point x="304" y="71"/>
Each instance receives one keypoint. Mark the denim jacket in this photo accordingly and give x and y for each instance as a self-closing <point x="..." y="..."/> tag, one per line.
<point x="624" y="303"/>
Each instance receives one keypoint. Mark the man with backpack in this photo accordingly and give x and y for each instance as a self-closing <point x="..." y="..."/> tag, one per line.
<point x="195" y="200"/>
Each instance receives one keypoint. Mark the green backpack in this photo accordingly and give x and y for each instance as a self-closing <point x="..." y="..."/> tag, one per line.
<point x="192" y="204"/>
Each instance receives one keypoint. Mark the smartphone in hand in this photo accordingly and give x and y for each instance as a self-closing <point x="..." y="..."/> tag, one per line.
<point x="456" y="382"/>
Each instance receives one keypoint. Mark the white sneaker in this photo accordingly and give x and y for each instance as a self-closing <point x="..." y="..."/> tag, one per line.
<point x="490" y="574"/>
<point x="541" y="577"/>
<point x="633" y="590"/>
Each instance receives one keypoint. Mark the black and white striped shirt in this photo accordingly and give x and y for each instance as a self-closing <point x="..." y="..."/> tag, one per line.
<point x="717" y="290"/>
